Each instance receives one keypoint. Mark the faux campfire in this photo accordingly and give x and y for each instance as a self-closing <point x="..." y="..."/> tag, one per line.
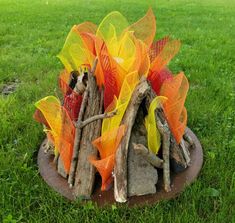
<point x="122" y="115"/>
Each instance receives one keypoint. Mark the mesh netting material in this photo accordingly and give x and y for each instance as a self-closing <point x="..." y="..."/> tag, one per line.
<point x="114" y="37"/>
<point x="63" y="81"/>
<point x="72" y="103"/>
<point x="111" y="75"/>
<point x="125" y="52"/>
<point x="121" y="103"/>
<point x="112" y="133"/>
<point x="61" y="127"/>
<point x="145" y="28"/>
<point x="153" y="135"/>
<point x="156" y="79"/>
<point x="72" y="100"/>
<point x="175" y="90"/>
<point x="160" y="53"/>
<point x="107" y="145"/>
<point x="157" y="47"/>
<point x="78" y="47"/>
<point x="39" y="117"/>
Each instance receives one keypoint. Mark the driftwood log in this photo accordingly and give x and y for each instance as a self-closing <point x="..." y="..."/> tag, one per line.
<point x="88" y="128"/>
<point x="85" y="171"/>
<point x="77" y="139"/>
<point x="120" y="168"/>
<point x="165" y="133"/>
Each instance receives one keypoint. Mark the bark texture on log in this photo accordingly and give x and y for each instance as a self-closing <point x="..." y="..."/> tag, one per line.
<point x="85" y="173"/>
<point x="189" y="140"/>
<point x="120" y="169"/>
<point x="177" y="160"/>
<point x="77" y="139"/>
<point x="165" y="133"/>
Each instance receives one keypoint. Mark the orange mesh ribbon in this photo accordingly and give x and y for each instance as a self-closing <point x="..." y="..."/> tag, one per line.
<point x="176" y="91"/>
<point x="107" y="145"/>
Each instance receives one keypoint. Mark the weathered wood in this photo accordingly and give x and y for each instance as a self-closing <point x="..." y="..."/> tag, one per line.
<point x="185" y="151"/>
<point x="77" y="140"/>
<point x="79" y="88"/>
<point x="165" y="133"/>
<point x="189" y="140"/>
<point x="120" y="168"/>
<point x="148" y="155"/>
<point x="82" y="124"/>
<point x="85" y="173"/>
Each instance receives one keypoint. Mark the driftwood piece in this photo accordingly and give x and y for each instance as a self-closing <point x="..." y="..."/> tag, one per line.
<point x="189" y="140"/>
<point x="77" y="140"/>
<point x="165" y="133"/>
<point x="120" y="169"/>
<point x="85" y="173"/>
<point x="185" y="151"/>
<point x="82" y="124"/>
<point x="148" y="155"/>
<point x="142" y="176"/>
<point x="178" y="162"/>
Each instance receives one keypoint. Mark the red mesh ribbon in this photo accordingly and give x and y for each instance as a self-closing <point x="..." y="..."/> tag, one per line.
<point x="156" y="79"/>
<point x="72" y="100"/>
<point x="109" y="67"/>
<point x="160" y="53"/>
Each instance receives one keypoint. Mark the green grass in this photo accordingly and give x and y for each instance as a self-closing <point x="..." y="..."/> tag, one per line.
<point x="31" y="35"/>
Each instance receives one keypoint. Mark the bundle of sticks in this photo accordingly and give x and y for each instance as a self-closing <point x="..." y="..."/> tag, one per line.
<point x="173" y="156"/>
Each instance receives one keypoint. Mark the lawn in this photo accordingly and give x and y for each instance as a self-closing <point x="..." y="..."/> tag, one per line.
<point x="31" y="35"/>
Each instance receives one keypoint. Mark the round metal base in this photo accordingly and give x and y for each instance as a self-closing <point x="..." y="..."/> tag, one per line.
<point x="178" y="181"/>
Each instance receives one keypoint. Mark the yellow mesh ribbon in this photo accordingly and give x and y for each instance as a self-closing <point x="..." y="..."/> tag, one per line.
<point x="153" y="135"/>
<point x="61" y="130"/>
<point x="121" y="103"/>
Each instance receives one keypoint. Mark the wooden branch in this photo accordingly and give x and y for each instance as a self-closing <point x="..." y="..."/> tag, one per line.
<point x="120" y="168"/>
<point x="165" y="133"/>
<point x="186" y="153"/>
<point x="85" y="172"/>
<point x="77" y="139"/>
<point x="82" y="124"/>
<point x="189" y="140"/>
<point x="148" y="155"/>
<point x="78" y="134"/>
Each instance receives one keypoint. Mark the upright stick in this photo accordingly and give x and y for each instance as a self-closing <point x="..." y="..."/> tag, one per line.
<point x="85" y="171"/>
<point x="120" y="168"/>
<point x="78" y="134"/>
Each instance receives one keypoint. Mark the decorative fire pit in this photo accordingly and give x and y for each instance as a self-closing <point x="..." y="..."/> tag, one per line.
<point x="119" y="132"/>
